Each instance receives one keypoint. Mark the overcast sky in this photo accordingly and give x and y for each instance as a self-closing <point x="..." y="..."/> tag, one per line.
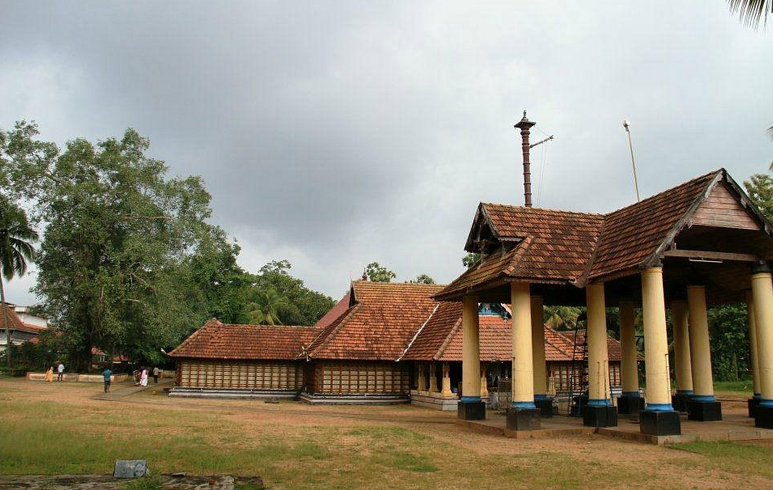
<point x="333" y="134"/>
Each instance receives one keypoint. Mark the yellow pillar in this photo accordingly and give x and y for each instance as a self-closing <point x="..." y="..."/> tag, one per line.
<point x="700" y="351"/>
<point x="682" y="348"/>
<point x="598" y="355"/>
<point x="629" y="366"/>
<point x="523" y="365"/>
<point x="655" y="341"/>
<point x="538" y="349"/>
<point x="762" y="294"/>
<point x="422" y="381"/>
<point x="470" y="350"/>
<point x="446" y="380"/>
<point x="483" y="381"/>
<point x="432" y="377"/>
<point x="753" y="344"/>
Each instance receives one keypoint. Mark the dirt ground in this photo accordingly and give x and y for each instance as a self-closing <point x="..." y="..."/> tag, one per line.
<point x="629" y="464"/>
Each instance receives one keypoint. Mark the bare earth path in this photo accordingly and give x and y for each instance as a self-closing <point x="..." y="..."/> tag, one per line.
<point x="293" y="445"/>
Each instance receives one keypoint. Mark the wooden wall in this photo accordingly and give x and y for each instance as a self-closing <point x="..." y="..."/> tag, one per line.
<point x="360" y="378"/>
<point x="255" y="375"/>
<point x="721" y="210"/>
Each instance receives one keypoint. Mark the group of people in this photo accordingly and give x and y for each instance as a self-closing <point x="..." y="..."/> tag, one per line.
<point x="141" y="376"/>
<point x="59" y="370"/>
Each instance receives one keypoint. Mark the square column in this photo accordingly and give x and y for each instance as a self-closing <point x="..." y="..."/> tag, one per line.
<point x="422" y="380"/>
<point x="762" y="294"/>
<point x="631" y="402"/>
<point x="754" y="401"/>
<point x="541" y="399"/>
<point x="446" y="381"/>
<point x="483" y="381"/>
<point x="702" y="406"/>
<point x="432" y="377"/>
<point x="470" y="406"/>
<point x="682" y="360"/>
<point x="523" y="414"/>
<point x="599" y="412"/>
<point x="658" y="418"/>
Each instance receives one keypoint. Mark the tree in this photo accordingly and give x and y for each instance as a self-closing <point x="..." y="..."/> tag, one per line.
<point x="265" y="307"/>
<point x="562" y="317"/>
<point x="751" y="12"/>
<point x="16" y="251"/>
<point x="728" y="333"/>
<point x="470" y="259"/>
<point x="423" y="279"/>
<point x="760" y="190"/>
<point x="120" y="244"/>
<point x="376" y="273"/>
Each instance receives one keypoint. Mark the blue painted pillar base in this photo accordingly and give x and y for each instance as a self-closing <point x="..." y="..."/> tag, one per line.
<point x="630" y="404"/>
<point x="598" y="415"/>
<point x="545" y="405"/>
<point x="681" y="399"/>
<point x="752" y="404"/>
<point x="704" y="409"/>
<point x="660" y="423"/>
<point x="523" y="419"/>
<point x="471" y="408"/>
<point x="763" y="416"/>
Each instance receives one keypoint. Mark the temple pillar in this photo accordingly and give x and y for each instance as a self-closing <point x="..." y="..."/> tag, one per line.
<point x="702" y="405"/>
<point x="523" y="414"/>
<point x="422" y="382"/>
<point x="446" y="381"/>
<point x="541" y="399"/>
<point x="658" y="418"/>
<point x="483" y="381"/>
<point x="684" y="389"/>
<point x="599" y="412"/>
<point x="433" y="377"/>
<point x="755" y="361"/>
<point x="470" y="406"/>
<point x="762" y="295"/>
<point x="631" y="402"/>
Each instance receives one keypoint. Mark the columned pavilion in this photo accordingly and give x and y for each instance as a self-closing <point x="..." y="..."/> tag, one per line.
<point x="699" y="244"/>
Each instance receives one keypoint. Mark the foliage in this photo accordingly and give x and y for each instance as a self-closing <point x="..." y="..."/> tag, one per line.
<point x="423" y="279"/>
<point x="728" y="331"/>
<point x="751" y="12"/>
<point x="760" y="190"/>
<point x="562" y="317"/>
<point x="40" y="355"/>
<point x="376" y="273"/>
<point x="264" y="310"/>
<point x="470" y="259"/>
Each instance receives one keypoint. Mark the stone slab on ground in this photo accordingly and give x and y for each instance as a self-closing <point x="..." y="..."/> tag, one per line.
<point x="108" y="482"/>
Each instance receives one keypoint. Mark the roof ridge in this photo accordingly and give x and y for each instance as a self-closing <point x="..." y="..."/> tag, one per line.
<point x="449" y="338"/>
<point x="533" y="209"/>
<point x="343" y="319"/>
<point x="416" y="335"/>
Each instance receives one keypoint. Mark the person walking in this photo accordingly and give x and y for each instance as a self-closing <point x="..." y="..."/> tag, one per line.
<point x="144" y="377"/>
<point x="60" y="371"/>
<point x="155" y="374"/>
<point x="107" y="374"/>
<point x="50" y="374"/>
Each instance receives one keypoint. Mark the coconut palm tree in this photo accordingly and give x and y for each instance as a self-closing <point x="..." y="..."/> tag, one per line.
<point x="751" y="12"/>
<point x="265" y="308"/>
<point x="16" y="251"/>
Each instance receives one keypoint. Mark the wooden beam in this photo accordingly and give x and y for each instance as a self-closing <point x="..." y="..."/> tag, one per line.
<point x="707" y="255"/>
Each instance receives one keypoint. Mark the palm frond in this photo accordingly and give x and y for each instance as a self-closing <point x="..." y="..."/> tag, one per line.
<point x="751" y="12"/>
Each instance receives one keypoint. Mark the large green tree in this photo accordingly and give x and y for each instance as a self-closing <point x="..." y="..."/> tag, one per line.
<point x="120" y="241"/>
<point x="376" y="273"/>
<point x="16" y="250"/>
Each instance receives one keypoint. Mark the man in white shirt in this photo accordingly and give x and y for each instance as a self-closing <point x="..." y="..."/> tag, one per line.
<point x="60" y="372"/>
<point x="155" y="374"/>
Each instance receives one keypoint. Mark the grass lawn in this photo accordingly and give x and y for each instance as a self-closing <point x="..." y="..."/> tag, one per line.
<point x="742" y="388"/>
<point x="62" y="429"/>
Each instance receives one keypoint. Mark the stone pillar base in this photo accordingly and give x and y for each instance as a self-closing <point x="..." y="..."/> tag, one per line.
<point x="660" y="423"/>
<point x="763" y="417"/>
<point x="630" y="405"/>
<point x="545" y="407"/>
<point x="680" y="401"/>
<point x="704" y="411"/>
<point x="752" y="404"/>
<point x="466" y="410"/>
<point x="523" y="419"/>
<point x="603" y="416"/>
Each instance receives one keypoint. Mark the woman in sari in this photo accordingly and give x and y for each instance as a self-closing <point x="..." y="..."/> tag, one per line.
<point x="144" y="377"/>
<point x="50" y="374"/>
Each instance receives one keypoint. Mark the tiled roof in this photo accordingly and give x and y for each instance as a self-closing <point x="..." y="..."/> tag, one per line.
<point x="560" y="247"/>
<point x="15" y="323"/>
<point x="380" y="324"/>
<point x="335" y="312"/>
<point x="216" y="340"/>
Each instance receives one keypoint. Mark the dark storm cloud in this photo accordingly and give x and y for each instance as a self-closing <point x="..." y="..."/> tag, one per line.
<point x="337" y="134"/>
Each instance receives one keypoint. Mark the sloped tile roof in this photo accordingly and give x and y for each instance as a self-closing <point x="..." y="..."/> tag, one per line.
<point x="15" y="323"/>
<point x="380" y="324"/>
<point x="563" y="247"/>
<point x="216" y="340"/>
<point x="335" y="312"/>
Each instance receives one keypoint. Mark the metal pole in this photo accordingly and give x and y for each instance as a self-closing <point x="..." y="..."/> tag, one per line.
<point x="627" y="126"/>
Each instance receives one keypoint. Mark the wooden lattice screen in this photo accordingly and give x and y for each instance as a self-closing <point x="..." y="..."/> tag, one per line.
<point x="255" y="375"/>
<point x="353" y="378"/>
